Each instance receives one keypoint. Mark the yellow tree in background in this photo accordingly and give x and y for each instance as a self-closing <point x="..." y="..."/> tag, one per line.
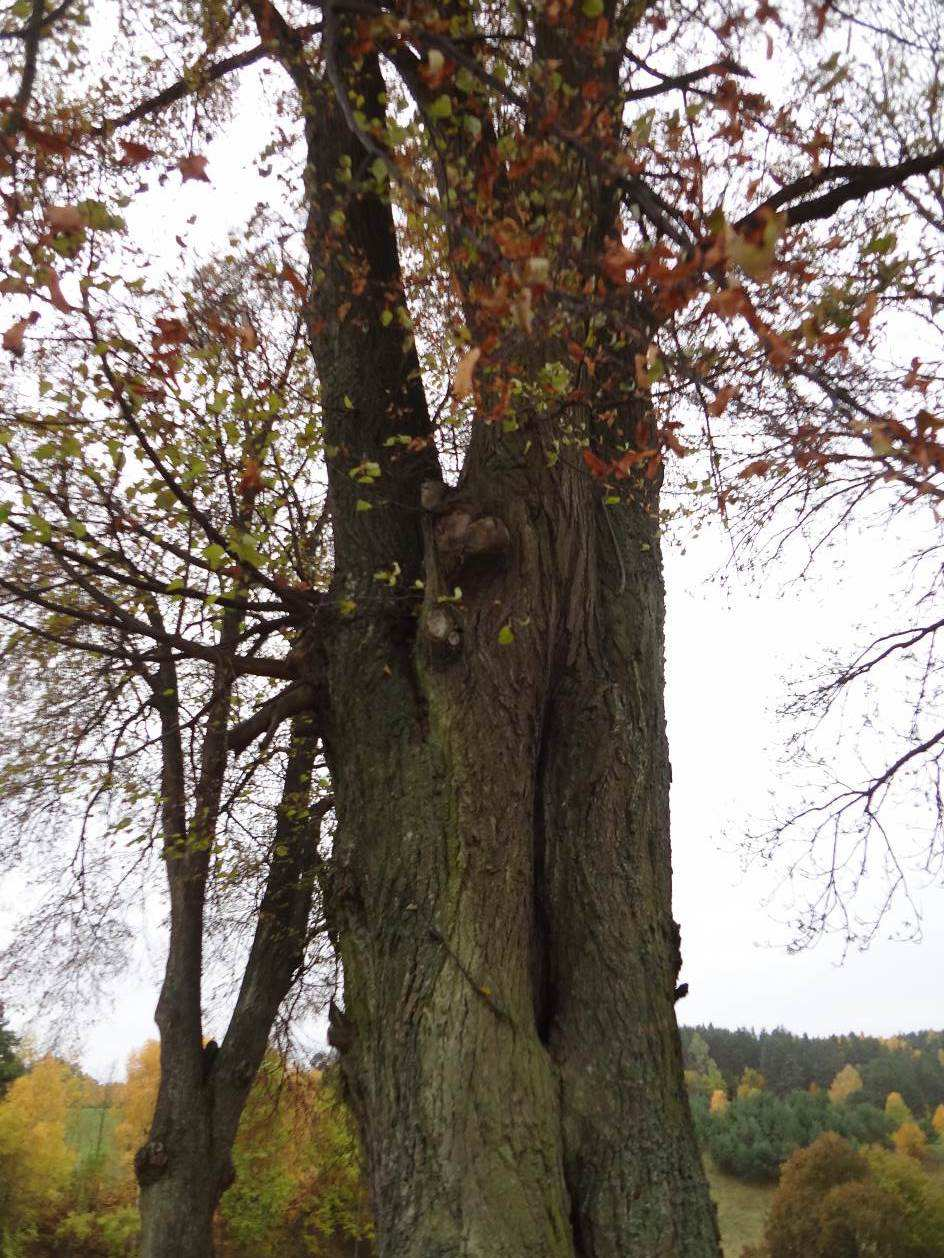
<point x="896" y="1109"/>
<point x="937" y="1122"/>
<point x="719" y="1101"/>
<point x="847" y="1082"/>
<point x="36" y="1160"/>
<point x="751" y="1081"/>
<point x="911" y="1140"/>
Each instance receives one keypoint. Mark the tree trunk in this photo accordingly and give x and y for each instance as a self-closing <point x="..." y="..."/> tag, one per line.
<point x="502" y="892"/>
<point x="186" y="1165"/>
<point x="182" y="1181"/>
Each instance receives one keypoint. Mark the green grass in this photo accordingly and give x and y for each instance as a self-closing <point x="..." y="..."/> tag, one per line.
<point x="742" y="1209"/>
<point x="90" y="1130"/>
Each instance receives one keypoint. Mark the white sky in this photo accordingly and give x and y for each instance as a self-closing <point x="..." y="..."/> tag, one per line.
<point x="729" y="649"/>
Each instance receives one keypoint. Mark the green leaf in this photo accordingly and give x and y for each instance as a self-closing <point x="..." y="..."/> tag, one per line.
<point x="214" y="554"/>
<point x="882" y="244"/>
<point x="592" y="8"/>
<point x="440" y="108"/>
<point x="506" y="635"/>
<point x="363" y="505"/>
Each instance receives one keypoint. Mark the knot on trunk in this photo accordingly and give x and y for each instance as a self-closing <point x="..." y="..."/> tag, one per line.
<point x="150" y="1162"/>
<point x="462" y="539"/>
<point x="340" y="1029"/>
<point x="443" y="628"/>
<point x="461" y="531"/>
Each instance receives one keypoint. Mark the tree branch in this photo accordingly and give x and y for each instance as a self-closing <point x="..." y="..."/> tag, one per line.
<point x="293" y="701"/>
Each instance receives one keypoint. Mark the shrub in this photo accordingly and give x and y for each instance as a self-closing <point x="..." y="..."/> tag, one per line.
<point x="834" y="1202"/>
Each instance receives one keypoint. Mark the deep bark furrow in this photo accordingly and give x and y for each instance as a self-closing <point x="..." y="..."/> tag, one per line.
<point x="528" y="827"/>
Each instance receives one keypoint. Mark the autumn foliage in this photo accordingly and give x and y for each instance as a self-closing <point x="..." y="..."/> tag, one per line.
<point x="67" y="1187"/>
<point x="834" y="1202"/>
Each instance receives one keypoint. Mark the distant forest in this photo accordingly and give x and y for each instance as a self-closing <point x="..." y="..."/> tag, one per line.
<point x="911" y="1064"/>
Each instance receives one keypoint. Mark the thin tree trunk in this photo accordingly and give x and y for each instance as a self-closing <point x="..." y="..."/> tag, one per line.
<point x="186" y="1164"/>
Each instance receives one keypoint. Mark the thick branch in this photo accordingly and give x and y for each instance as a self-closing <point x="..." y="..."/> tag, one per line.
<point x="292" y="701"/>
<point x="858" y="183"/>
<point x="32" y="34"/>
<point x="184" y="87"/>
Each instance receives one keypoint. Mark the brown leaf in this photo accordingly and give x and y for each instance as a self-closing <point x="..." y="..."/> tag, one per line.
<point x="247" y="335"/>
<point x="720" y="404"/>
<point x="47" y="141"/>
<point x="135" y="153"/>
<point x="56" y="295"/>
<point x="169" y="332"/>
<point x="194" y="167"/>
<point x="66" y="219"/>
<point x="865" y="315"/>
<point x="13" y="336"/>
<point x="462" y="381"/>
<point x="289" y="274"/>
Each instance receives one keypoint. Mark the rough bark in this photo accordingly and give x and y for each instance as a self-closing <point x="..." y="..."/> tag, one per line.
<point x="502" y="902"/>
<point x="500" y="884"/>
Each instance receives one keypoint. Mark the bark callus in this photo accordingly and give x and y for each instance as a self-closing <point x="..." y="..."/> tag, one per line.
<point x="150" y="1162"/>
<point x="465" y="544"/>
<point x="340" y="1030"/>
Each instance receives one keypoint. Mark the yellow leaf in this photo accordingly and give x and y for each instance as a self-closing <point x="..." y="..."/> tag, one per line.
<point x="752" y="248"/>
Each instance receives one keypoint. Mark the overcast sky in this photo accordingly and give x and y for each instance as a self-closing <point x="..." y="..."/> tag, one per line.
<point x="732" y="643"/>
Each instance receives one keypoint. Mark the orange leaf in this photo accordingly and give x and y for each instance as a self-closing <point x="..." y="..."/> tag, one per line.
<point x="251" y="480"/>
<point x="596" y="465"/>
<point x="758" y="468"/>
<point x="462" y="381"/>
<point x="616" y="258"/>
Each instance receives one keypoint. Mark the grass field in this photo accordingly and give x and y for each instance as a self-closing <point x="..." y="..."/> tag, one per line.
<point x="90" y="1130"/>
<point x="742" y="1209"/>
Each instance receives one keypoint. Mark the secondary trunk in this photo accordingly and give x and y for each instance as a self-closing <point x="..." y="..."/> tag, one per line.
<point x="502" y="889"/>
<point x="186" y="1164"/>
<point x="181" y="1183"/>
